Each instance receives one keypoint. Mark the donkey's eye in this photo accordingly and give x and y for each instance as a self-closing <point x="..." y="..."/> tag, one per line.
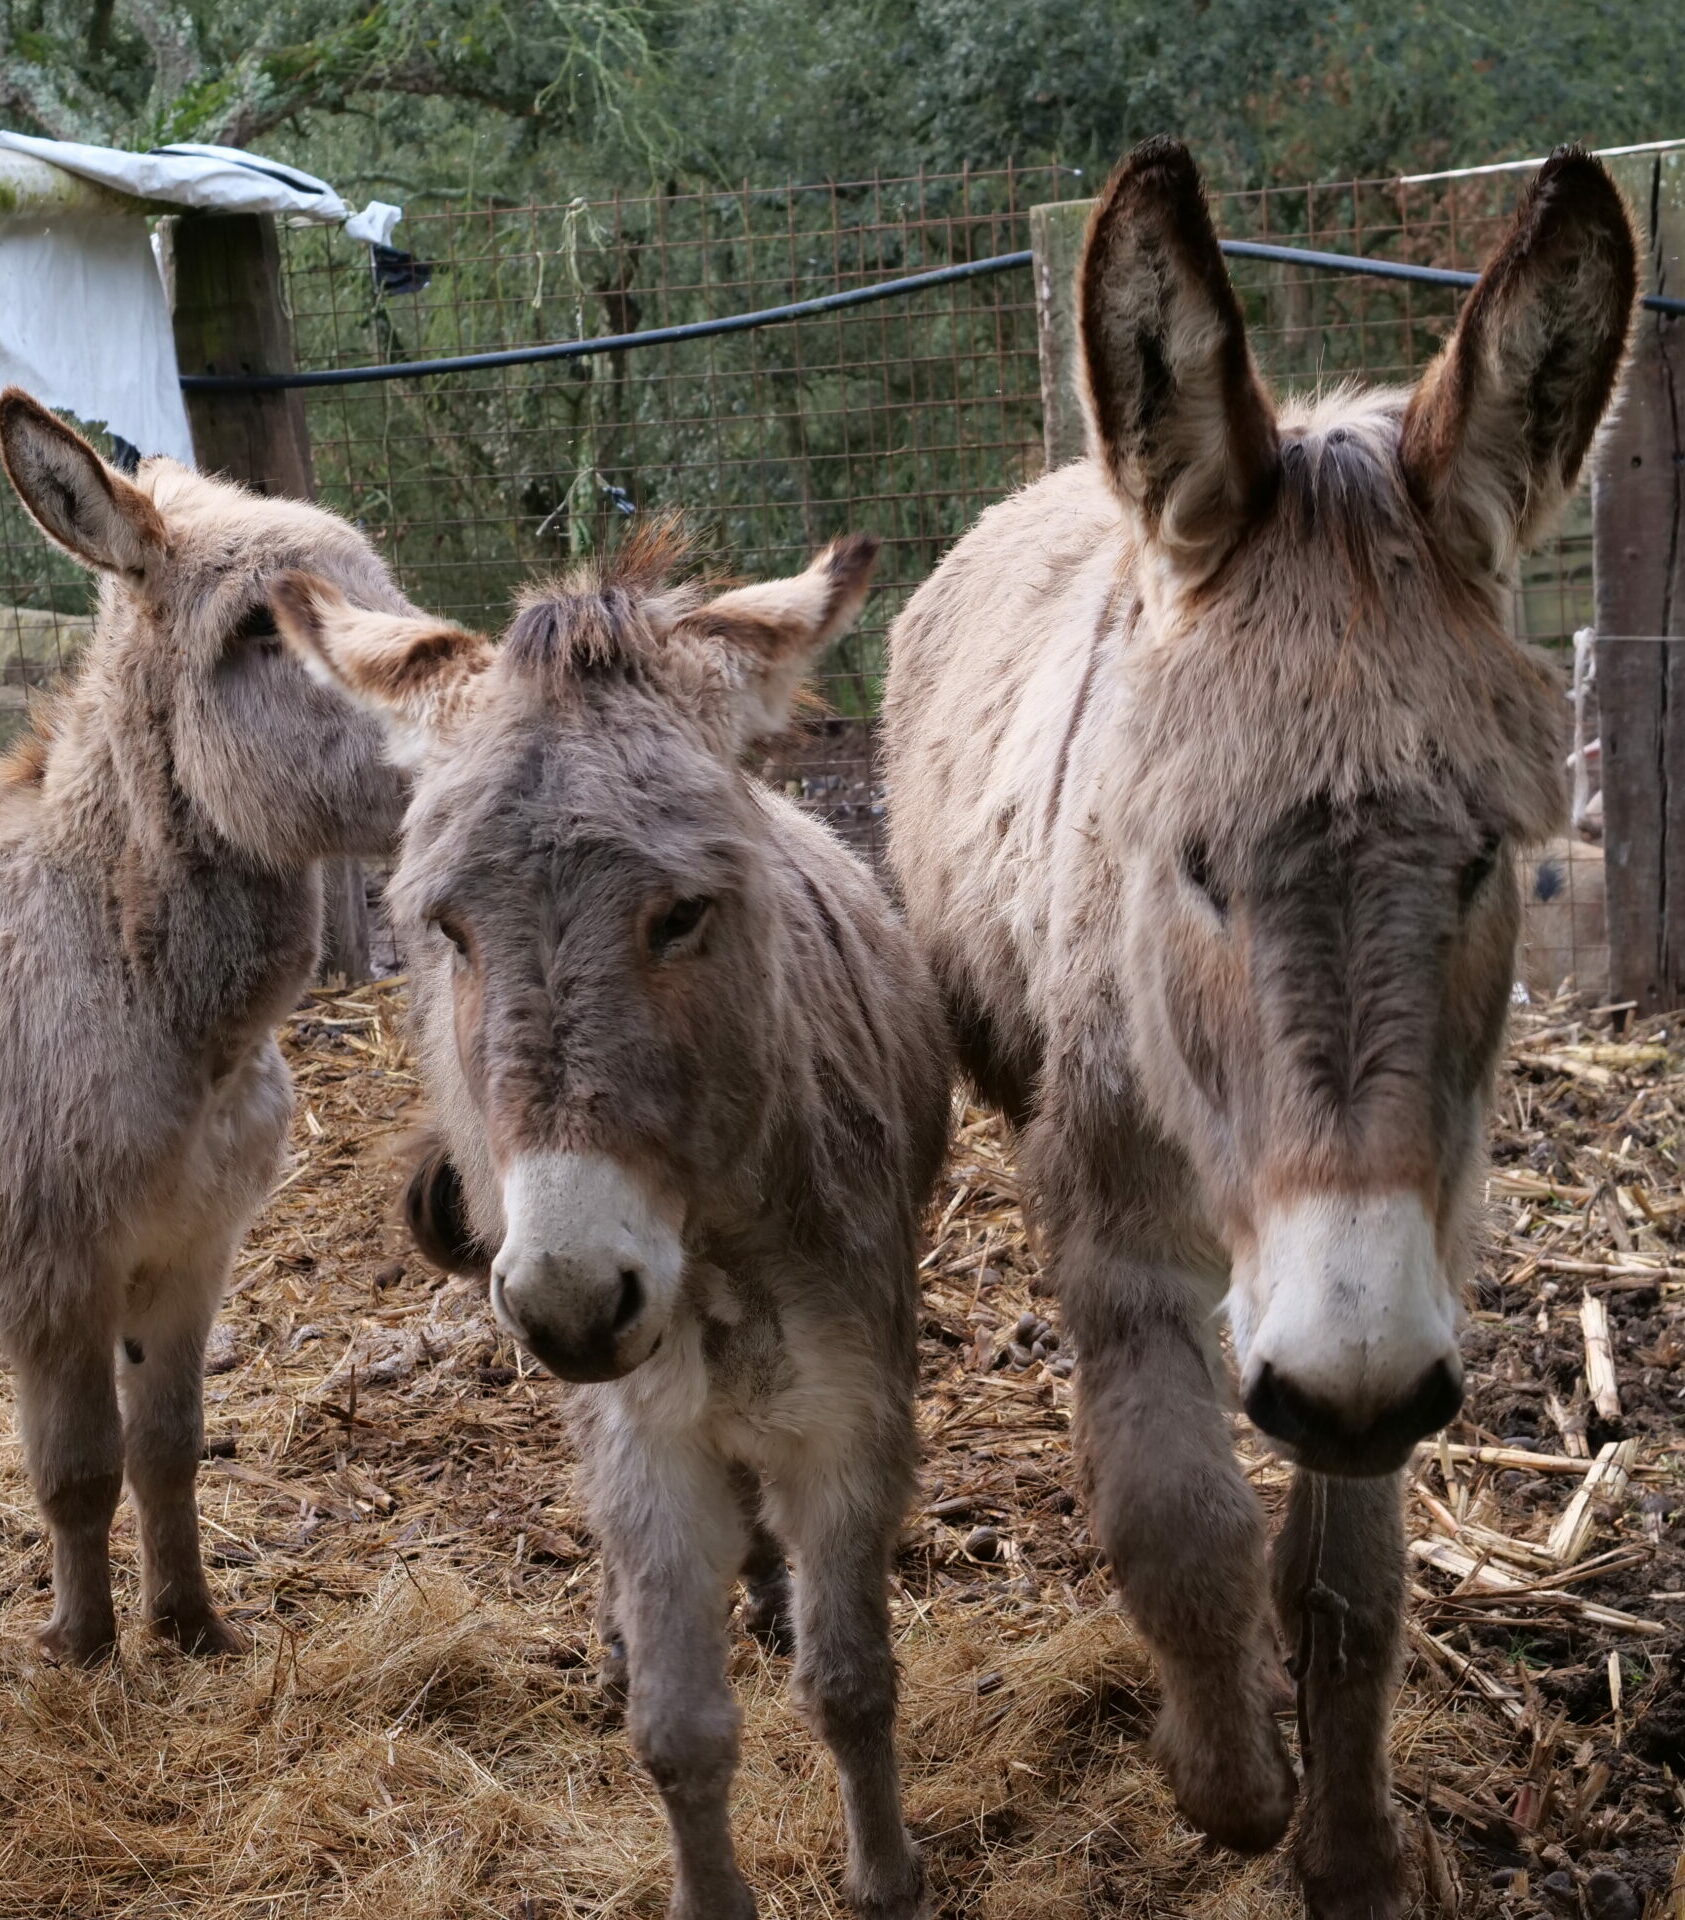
<point x="1196" y="870"/>
<point x="677" y="924"/>
<point x="1477" y="871"/>
<point x="256" y="630"/>
<point x="452" y="931"/>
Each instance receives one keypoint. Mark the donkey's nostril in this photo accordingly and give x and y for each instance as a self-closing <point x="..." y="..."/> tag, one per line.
<point x="1435" y="1402"/>
<point x="631" y="1301"/>
<point x="1329" y="1443"/>
<point x="1276" y="1408"/>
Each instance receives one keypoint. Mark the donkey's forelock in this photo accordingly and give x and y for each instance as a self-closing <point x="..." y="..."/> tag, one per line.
<point x="1337" y="655"/>
<point x="609" y="614"/>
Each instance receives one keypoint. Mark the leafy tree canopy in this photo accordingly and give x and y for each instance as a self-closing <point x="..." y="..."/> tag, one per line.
<point x="526" y="97"/>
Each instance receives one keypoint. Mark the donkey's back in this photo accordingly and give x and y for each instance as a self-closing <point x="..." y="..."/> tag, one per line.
<point x="998" y="658"/>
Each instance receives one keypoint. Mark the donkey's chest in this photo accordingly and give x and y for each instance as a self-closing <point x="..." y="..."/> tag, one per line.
<point x="755" y="1384"/>
<point x="210" y="1177"/>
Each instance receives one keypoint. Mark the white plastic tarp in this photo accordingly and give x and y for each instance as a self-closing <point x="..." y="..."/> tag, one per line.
<point x="220" y="179"/>
<point x="84" y="323"/>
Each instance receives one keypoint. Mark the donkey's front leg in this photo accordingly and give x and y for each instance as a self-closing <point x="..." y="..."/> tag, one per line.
<point x="673" y="1532"/>
<point x="161" y="1376"/>
<point x="72" y="1442"/>
<point x="1339" y="1584"/>
<point x="1185" y="1537"/>
<point x="841" y="1513"/>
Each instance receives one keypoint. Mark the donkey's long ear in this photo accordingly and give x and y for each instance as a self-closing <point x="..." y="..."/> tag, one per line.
<point x="1177" y="413"/>
<point x="414" y="674"/>
<point x="766" y="638"/>
<point x="1495" y="434"/>
<point x="76" y="500"/>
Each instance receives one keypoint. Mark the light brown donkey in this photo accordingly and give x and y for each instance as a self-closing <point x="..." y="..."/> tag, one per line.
<point x="159" y="909"/>
<point x="694" y="1078"/>
<point x="1208" y="760"/>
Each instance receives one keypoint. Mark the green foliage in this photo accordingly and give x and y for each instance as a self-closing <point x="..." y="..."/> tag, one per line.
<point x="138" y="72"/>
<point x="543" y="97"/>
<point x="1266" y="90"/>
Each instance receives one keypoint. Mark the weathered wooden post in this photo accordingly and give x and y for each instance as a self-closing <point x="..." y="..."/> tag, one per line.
<point x="1638" y="516"/>
<point x="1056" y="231"/>
<point x="230" y="318"/>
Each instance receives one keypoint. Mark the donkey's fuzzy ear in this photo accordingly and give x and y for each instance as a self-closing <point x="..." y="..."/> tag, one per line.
<point x="767" y="637"/>
<point x="413" y="673"/>
<point x="1496" y="431"/>
<point x="1177" y="413"/>
<point x="78" y="502"/>
<point x="436" y="1212"/>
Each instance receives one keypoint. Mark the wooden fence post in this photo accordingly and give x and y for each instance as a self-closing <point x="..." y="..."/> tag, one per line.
<point x="230" y="318"/>
<point x="1056" y="230"/>
<point x="1638" y="521"/>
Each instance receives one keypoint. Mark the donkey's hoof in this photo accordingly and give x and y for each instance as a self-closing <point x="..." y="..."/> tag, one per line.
<point x="77" y="1643"/>
<point x="1238" y="1789"/>
<point x="894" y="1893"/>
<point x="200" y="1629"/>
<point x="1355" y="1872"/>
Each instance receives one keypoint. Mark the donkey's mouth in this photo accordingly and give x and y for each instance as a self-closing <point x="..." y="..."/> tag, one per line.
<point x="1316" y="1437"/>
<point x="581" y="1366"/>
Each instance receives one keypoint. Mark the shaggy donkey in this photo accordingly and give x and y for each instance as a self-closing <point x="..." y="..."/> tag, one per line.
<point x="695" y="1079"/>
<point x="160" y="901"/>
<point x="1209" y="756"/>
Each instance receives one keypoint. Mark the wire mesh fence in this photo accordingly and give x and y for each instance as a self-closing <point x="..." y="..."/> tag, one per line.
<point x="905" y="418"/>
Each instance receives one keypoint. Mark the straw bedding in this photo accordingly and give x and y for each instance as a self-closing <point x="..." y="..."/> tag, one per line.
<point x="388" y="1501"/>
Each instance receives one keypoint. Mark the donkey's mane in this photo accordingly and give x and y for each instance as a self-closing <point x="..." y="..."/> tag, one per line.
<point x="609" y="614"/>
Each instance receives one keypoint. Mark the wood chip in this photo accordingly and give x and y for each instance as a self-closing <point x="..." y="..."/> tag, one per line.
<point x="1483" y="1576"/>
<point x="1600" y="1357"/>
<point x="1606" y="1480"/>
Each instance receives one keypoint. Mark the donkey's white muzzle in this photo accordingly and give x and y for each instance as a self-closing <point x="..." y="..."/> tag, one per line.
<point x="589" y="1267"/>
<point x="1346" y="1331"/>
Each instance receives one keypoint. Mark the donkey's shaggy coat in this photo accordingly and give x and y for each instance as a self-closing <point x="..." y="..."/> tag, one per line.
<point x="1209" y="756"/>
<point x="160" y="903"/>
<point x="694" y="1085"/>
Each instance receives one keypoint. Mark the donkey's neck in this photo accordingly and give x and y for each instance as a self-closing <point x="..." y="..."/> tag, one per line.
<point x="214" y="945"/>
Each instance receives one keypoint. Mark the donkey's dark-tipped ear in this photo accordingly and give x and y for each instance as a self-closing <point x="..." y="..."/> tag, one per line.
<point x="1177" y="413"/>
<point x="413" y="673"/>
<point x="766" y="638"/>
<point x="436" y="1212"/>
<point x="76" y="500"/>
<point x="1497" y="430"/>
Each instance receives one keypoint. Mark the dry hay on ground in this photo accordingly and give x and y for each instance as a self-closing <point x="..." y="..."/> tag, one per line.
<point x="388" y="1499"/>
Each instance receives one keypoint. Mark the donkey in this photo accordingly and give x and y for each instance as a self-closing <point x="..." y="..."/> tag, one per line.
<point x="693" y="1083"/>
<point x="160" y="902"/>
<point x="1208" y="758"/>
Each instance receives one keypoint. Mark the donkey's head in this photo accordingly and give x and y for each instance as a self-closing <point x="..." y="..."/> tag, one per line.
<point x="206" y="712"/>
<point x="1342" y="749"/>
<point x="582" y="895"/>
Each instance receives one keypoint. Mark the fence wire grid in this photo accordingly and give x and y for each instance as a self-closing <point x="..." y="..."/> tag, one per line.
<point x="905" y="418"/>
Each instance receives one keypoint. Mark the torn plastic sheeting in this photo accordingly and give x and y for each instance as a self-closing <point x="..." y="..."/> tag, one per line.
<point x="214" y="179"/>
<point x="85" y="327"/>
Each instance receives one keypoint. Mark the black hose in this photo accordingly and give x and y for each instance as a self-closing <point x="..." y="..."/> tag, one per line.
<point x="804" y="309"/>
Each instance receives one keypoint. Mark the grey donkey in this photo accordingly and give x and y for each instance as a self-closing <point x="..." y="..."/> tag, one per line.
<point x="693" y="1082"/>
<point x="160" y="902"/>
<point x="1210" y="758"/>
